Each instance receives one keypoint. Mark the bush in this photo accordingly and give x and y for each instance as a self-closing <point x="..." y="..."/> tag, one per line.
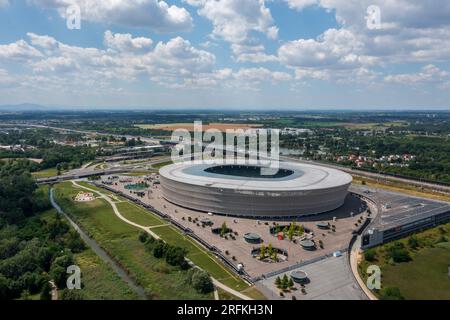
<point x="175" y="257"/>
<point x="413" y="242"/>
<point x="159" y="250"/>
<point x="72" y="294"/>
<point x="369" y="255"/>
<point x="59" y="275"/>
<point x="143" y="236"/>
<point x="201" y="281"/>
<point x="398" y="253"/>
<point x="391" y="293"/>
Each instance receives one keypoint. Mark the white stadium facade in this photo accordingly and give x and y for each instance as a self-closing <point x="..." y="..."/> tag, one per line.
<point x="241" y="190"/>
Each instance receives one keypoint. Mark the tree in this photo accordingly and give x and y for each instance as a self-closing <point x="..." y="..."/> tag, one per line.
<point x="159" y="250"/>
<point x="278" y="282"/>
<point x="74" y="294"/>
<point x="300" y="230"/>
<point x="269" y="250"/>
<point x="262" y="252"/>
<point x="59" y="275"/>
<point x="143" y="236"/>
<point x="4" y="288"/>
<point x="223" y="229"/>
<point x="291" y="231"/>
<point x="175" y="256"/>
<point x="285" y="282"/>
<point x="201" y="282"/>
<point x="46" y="291"/>
<point x="290" y="283"/>
<point x="274" y="256"/>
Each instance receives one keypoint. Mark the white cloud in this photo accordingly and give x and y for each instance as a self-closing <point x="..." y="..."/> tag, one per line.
<point x="301" y="4"/>
<point x="411" y="31"/>
<point x="428" y="74"/>
<point x="235" y="20"/>
<point x="334" y="49"/>
<point x="251" y="53"/>
<point x="5" y="78"/>
<point x="19" y="50"/>
<point x="4" y="3"/>
<point x="154" y="14"/>
<point x="125" y="42"/>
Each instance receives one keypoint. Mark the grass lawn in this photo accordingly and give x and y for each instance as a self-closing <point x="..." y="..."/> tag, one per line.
<point x="138" y="173"/>
<point x="139" y="215"/>
<point x="254" y="293"/>
<point x="51" y="172"/>
<point x="171" y="235"/>
<point x="224" y="295"/>
<point x="99" y="281"/>
<point x="160" y="280"/>
<point x="161" y="164"/>
<point x="426" y="275"/>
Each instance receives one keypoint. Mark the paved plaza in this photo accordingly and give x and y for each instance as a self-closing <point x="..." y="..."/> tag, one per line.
<point x="346" y="217"/>
<point x="329" y="279"/>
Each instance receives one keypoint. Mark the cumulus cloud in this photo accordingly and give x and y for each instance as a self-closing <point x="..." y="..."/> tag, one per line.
<point x="428" y="73"/>
<point x="125" y="42"/>
<point x="335" y="49"/>
<point x="154" y="14"/>
<point x="19" y="50"/>
<point x="410" y="32"/>
<point x="175" y="63"/>
<point x="235" y="20"/>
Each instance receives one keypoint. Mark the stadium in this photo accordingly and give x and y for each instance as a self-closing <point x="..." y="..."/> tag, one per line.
<point x="296" y="189"/>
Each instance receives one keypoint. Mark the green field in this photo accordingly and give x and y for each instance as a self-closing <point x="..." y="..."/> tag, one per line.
<point x="99" y="280"/>
<point x="161" y="164"/>
<point x="120" y="240"/>
<point x="138" y="215"/>
<point x="426" y="275"/>
<point x="171" y="235"/>
<point x="51" y="172"/>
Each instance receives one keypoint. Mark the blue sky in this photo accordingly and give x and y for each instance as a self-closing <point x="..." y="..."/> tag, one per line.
<point x="258" y="54"/>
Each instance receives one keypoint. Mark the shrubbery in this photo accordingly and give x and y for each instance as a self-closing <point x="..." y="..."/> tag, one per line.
<point x="175" y="256"/>
<point x="391" y="293"/>
<point x="398" y="253"/>
<point x="200" y="281"/>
